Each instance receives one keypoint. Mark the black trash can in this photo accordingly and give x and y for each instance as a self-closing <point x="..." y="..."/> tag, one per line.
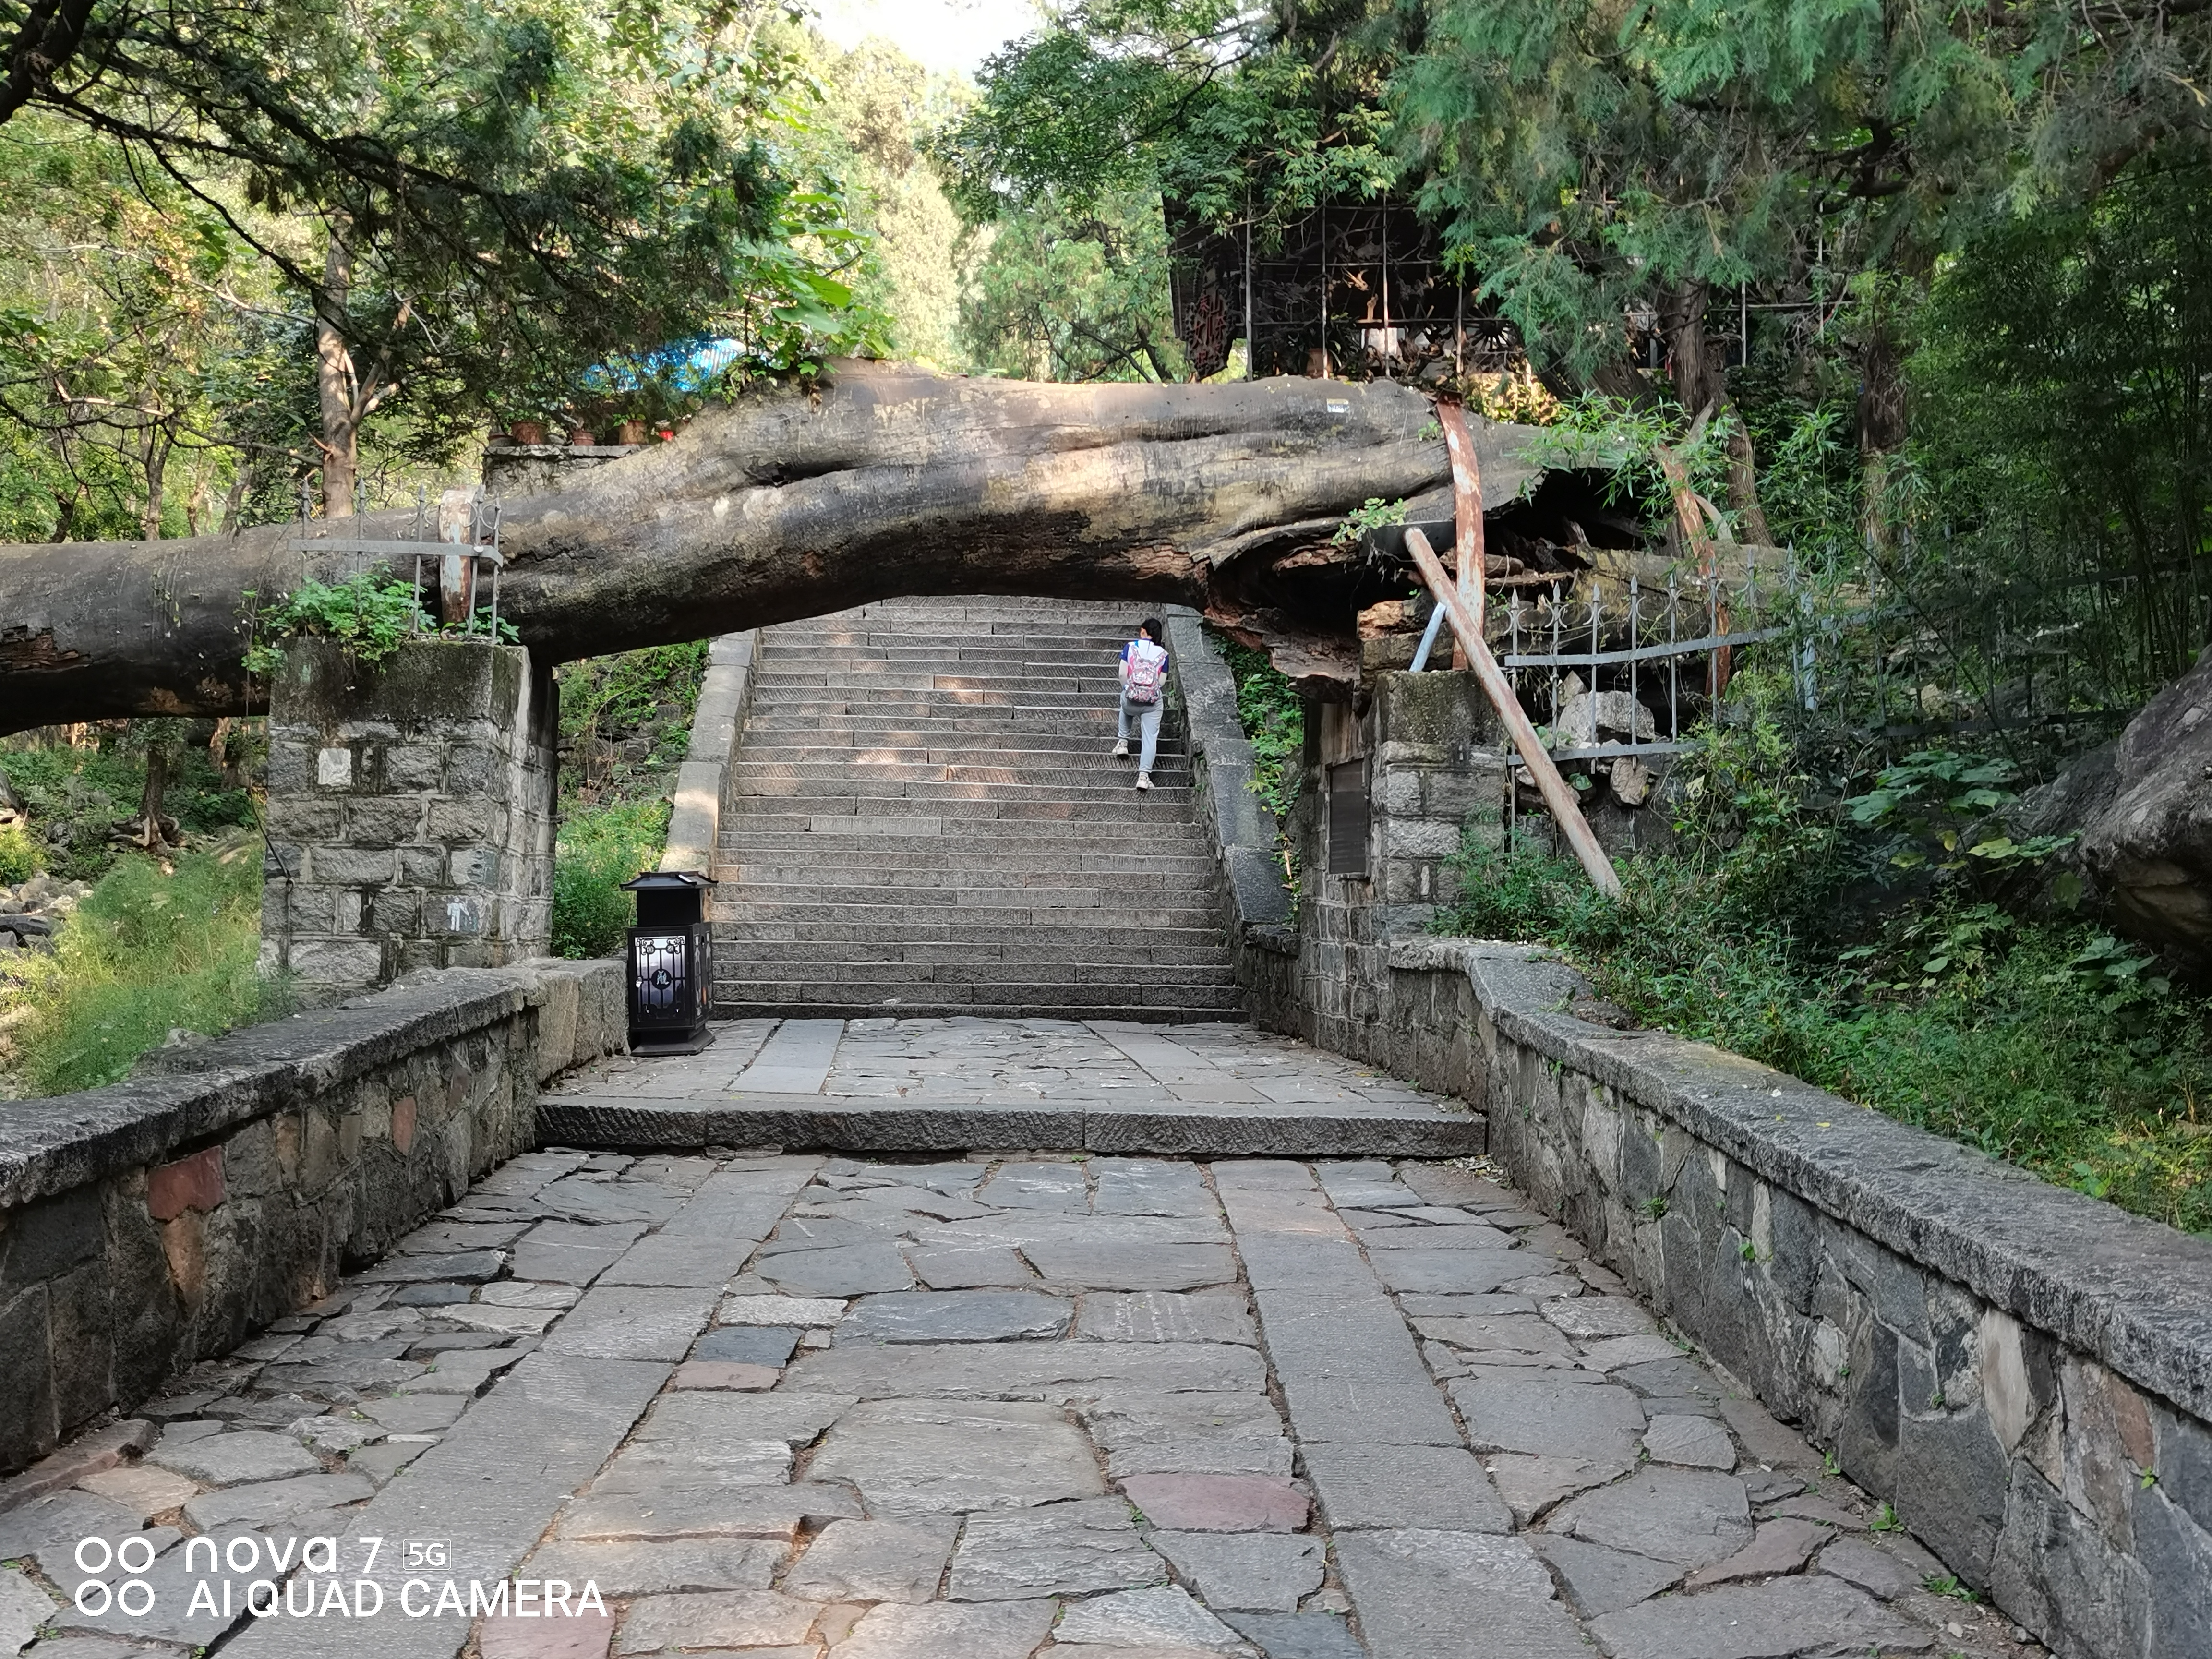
<point x="671" y="963"/>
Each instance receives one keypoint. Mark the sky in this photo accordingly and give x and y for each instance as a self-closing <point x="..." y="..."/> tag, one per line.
<point x="950" y="36"/>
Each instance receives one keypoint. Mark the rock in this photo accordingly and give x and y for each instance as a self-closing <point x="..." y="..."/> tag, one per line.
<point x="660" y="1465"/>
<point x="1669" y="1515"/>
<point x="956" y="1316"/>
<point x="1164" y="1316"/>
<point x="1423" y="1594"/>
<point x="630" y="1569"/>
<point x="1695" y="1442"/>
<point x="23" y="1608"/>
<point x="1189" y="1434"/>
<point x="145" y="1490"/>
<point x="1587" y="1317"/>
<point x="1060" y="1549"/>
<point x="1761" y="1621"/>
<point x="260" y="1502"/>
<point x="1584" y="716"/>
<point x="513" y="1635"/>
<point x="1778" y="1546"/>
<point x="1298" y="1634"/>
<point x="336" y="1435"/>
<point x="1863" y="1564"/>
<point x="1530" y="1485"/>
<point x="1164" y="1617"/>
<point x="720" y="1618"/>
<point x="1600" y="1580"/>
<point x="723" y="1374"/>
<point x="934" y="1457"/>
<point x="874" y="1561"/>
<point x="1430" y="1486"/>
<point x="1631" y="781"/>
<point x="1218" y="1503"/>
<point x="1091" y="1266"/>
<point x="1600" y="1422"/>
<point x="949" y="1629"/>
<point x="798" y="1311"/>
<point x="1250" y="1571"/>
<point x="2150" y="850"/>
<point x="789" y="1415"/>
<point x="224" y="1459"/>
<point x="748" y="1345"/>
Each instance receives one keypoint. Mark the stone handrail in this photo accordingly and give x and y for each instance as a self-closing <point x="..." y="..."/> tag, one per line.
<point x="2024" y="1371"/>
<point x="702" y="782"/>
<point x="153" y="1223"/>
<point x="1243" y="833"/>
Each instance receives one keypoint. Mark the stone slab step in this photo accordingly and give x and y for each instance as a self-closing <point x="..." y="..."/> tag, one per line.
<point x="889" y="866"/>
<point x="611" y="1121"/>
<point x="1011" y="906"/>
<point x="972" y="935"/>
<point x="1138" y="978"/>
<point x="922" y="781"/>
<point x="1026" y="950"/>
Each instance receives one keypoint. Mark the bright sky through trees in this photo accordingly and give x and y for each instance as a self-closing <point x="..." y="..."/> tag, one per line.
<point x="951" y="37"/>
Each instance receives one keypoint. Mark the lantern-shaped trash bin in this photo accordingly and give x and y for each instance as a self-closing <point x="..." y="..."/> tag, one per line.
<point x="671" y="963"/>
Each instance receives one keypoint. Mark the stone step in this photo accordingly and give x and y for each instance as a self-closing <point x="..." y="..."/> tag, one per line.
<point x="1092" y="935"/>
<point x="923" y="780"/>
<point x="754" y="873"/>
<point x="900" y="859"/>
<point x="1072" y="1000"/>
<point x="1095" y="949"/>
<point x="981" y="898"/>
<point x="979" y="971"/>
<point x="1126" y="809"/>
<point x="927" y="816"/>
<point x="803" y="911"/>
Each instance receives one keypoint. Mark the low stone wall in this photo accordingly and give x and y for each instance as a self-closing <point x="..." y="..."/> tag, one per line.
<point x="702" y="782"/>
<point x="152" y="1224"/>
<point x="1257" y="906"/>
<point x="2024" y="1373"/>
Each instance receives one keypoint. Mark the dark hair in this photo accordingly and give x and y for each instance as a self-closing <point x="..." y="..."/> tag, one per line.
<point x="1151" y="625"/>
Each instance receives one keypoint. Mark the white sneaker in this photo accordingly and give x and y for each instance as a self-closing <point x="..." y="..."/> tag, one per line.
<point x="1121" y="748"/>
<point x="1143" y="780"/>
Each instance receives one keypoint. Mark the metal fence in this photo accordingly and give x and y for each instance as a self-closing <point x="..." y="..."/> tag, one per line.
<point x="1630" y="669"/>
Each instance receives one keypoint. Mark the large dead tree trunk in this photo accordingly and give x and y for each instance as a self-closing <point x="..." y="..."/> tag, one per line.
<point x="786" y="505"/>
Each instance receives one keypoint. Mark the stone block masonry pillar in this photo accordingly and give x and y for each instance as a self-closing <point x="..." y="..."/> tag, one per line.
<point x="411" y="814"/>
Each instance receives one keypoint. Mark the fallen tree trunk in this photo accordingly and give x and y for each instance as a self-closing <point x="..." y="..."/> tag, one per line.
<point x="786" y="505"/>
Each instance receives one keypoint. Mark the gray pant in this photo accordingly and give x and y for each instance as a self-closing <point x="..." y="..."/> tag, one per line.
<point x="1147" y="716"/>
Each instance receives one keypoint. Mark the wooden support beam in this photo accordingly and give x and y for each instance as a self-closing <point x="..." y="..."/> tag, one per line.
<point x="1558" y="795"/>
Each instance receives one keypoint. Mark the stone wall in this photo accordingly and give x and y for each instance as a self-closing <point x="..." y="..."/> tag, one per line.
<point x="2024" y="1373"/>
<point x="152" y="1224"/>
<point x="410" y="813"/>
<point x="1430" y="742"/>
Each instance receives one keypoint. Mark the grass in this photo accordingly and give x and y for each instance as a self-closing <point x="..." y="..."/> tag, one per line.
<point x="84" y="792"/>
<point x="2014" y="1035"/>
<point x="1268" y="709"/>
<point x="146" y="953"/>
<point x="598" y="849"/>
<point x="625" y="726"/>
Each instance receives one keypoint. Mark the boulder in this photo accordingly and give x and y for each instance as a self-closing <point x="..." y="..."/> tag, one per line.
<point x="2148" y="849"/>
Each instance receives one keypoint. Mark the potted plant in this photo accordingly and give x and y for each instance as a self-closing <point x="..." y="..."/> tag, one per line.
<point x="526" y="432"/>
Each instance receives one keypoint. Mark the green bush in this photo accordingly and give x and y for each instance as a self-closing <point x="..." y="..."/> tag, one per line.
<point x="145" y="954"/>
<point x="21" y="858"/>
<point x="2045" y="1041"/>
<point x="598" y="849"/>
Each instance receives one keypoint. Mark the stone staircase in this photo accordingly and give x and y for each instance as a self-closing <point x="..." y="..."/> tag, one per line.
<point x="928" y="821"/>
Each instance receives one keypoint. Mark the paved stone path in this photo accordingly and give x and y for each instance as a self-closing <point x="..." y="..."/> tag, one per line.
<point x="922" y="1084"/>
<point x="1073" y="1408"/>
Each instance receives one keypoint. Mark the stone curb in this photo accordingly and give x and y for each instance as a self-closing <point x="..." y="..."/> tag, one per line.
<point x="700" y="800"/>
<point x="602" y="1123"/>
<point x="2133" y="1293"/>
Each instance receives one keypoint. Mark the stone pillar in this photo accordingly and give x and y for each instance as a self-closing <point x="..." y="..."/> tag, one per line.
<point x="411" y="814"/>
<point x="1434" y="749"/>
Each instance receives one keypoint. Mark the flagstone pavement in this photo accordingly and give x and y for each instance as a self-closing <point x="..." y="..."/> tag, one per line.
<point x="1036" y="1406"/>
